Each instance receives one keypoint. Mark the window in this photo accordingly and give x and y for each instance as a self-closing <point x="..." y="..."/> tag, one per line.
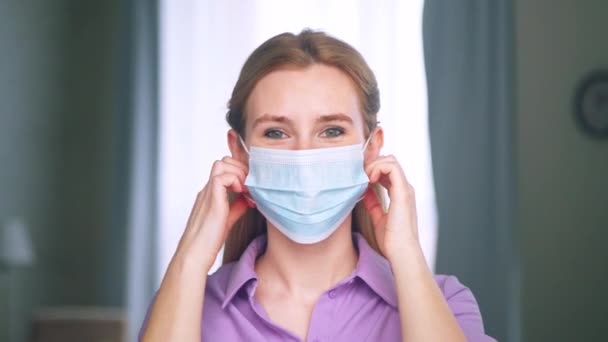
<point x="205" y="43"/>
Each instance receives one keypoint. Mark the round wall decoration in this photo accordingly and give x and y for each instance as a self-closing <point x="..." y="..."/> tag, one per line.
<point x="591" y="104"/>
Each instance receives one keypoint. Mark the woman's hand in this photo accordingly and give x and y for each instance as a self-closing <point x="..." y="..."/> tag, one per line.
<point x="396" y="229"/>
<point x="212" y="215"/>
<point x="423" y="311"/>
<point x="178" y="307"/>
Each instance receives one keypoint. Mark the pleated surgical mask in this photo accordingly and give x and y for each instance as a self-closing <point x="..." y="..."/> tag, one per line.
<point x="306" y="194"/>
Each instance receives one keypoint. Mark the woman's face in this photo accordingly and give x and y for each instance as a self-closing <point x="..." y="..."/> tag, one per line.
<point x="308" y="108"/>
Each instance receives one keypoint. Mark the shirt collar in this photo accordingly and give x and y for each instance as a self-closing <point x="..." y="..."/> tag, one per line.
<point x="371" y="267"/>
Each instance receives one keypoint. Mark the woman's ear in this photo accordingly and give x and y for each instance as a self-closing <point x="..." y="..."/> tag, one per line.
<point x="375" y="144"/>
<point x="236" y="148"/>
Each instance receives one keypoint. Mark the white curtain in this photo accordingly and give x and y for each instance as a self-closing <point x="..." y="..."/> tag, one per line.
<point x="203" y="45"/>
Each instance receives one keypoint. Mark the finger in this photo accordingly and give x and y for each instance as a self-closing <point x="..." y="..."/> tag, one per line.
<point x="220" y="167"/>
<point x="381" y="174"/>
<point x="390" y="176"/>
<point x="228" y="181"/>
<point x="378" y="171"/>
<point x="218" y="201"/>
<point x="240" y="165"/>
<point x="237" y="209"/>
<point x="236" y="162"/>
<point x="380" y="160"/>
<point x="373" y="206"/>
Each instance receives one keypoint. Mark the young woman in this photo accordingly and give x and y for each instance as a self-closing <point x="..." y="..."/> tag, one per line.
<point x="311" y="253"/>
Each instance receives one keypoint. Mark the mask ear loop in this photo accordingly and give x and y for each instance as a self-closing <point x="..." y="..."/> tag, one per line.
<point x="243" y="144"/>
<point x="369" y="138"/>
<point x="366" y="143"/>
<point x="247" y="196"/>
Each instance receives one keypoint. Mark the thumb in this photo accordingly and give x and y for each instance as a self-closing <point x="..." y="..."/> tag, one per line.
<point x="373" y="206"/>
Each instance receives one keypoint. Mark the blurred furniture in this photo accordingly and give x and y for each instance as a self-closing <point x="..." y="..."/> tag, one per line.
<point x="79" y="324"/>
<point x="15" y="251"/>
<point x="15" y="244"/>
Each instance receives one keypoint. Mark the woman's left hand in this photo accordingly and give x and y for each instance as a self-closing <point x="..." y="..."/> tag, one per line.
<point x="396" y="229"/>
<point x="423" y="311"/>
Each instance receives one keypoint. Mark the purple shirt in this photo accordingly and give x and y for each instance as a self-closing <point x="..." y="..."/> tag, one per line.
<point x="362" y="307"/>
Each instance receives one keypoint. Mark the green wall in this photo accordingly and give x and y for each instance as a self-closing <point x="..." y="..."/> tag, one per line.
<point x="59" y="105"/>
<point x="562" y="175"/>
<point x="58" y="108"/>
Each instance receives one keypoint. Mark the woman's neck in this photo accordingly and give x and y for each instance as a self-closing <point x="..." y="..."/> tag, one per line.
<point x="306" y="271"/>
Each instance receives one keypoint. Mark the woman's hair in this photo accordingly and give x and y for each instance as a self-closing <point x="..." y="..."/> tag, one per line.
<point x="300" y="51"/>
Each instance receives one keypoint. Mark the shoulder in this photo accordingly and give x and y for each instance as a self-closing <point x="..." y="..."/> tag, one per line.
<point x="464" y="306"/>
<point x="453" y="288"/>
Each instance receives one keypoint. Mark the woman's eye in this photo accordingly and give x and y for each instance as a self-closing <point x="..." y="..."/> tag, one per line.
<point x="332" y="132"/>
<point x="274" y="134"/>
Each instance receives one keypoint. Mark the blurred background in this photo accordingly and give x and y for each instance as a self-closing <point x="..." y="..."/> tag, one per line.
<point x="111" y="111"/>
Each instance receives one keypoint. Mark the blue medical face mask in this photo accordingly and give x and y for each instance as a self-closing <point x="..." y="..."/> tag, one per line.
<point x="306" y="194"/>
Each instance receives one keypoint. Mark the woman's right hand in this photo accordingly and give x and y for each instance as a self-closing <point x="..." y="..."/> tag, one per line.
<point x="213" y="215"/>
<point x="177" y="310"/>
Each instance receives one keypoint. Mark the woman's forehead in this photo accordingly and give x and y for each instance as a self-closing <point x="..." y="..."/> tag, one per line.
<point x="306" y="94"/>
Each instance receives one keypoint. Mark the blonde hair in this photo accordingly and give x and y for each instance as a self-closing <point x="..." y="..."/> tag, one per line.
<point x="287" y="50"/>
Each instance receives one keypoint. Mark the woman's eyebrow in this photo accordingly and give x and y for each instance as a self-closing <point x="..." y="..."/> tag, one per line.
<point x="271" y="118"/>
<point x="335" y="117"/>
<point x="283" y="119"/>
